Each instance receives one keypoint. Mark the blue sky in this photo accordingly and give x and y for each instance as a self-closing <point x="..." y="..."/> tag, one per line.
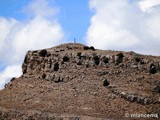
<point x="12" y="8"/>
<point x="74" y="15"/>
<point x="128" y="25"/>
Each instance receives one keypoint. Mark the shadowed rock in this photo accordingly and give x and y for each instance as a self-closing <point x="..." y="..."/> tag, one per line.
<point x="56" y="67"/>
<point x="157" y="89"/>
<point x="43" y="53"/>
<point x="105" y="82"/>
<point x="152" y="69"/>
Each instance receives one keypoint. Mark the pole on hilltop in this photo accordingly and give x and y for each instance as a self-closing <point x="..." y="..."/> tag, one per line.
<point x="74" y="40"/>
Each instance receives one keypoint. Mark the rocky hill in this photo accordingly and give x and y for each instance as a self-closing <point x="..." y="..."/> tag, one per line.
<point x="76" y="82"/>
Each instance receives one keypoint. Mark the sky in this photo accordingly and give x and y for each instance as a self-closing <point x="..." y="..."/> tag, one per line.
<point x="128" y="25"/>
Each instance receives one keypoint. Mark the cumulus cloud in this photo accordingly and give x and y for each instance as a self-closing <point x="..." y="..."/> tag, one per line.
<point x="125" y="25"/>
<point x="147" y="5"/>
<point x="17" y="37"/>
<point x="8" y="73"/>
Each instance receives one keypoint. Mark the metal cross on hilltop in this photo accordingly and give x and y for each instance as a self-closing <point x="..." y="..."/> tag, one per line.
<point x="74" y="40"/>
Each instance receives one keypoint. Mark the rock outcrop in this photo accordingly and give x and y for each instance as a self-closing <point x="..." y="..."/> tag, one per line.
<point x="74" y="81"/>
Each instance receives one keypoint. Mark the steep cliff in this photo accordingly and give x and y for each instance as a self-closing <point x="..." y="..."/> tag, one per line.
<point x="74" y="81"/>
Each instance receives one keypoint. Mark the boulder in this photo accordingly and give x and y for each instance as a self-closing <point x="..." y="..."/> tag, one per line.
<point x="56" y="66"/>
<point x="96" y="60"/>
<point x="105" y="59"/>
<point x="58" y="79"/>
<point x="101" y="73"/>
<point x="79" y="62"/>
<point x="105" y="82"/>
<point x="43" y="76"/>
<point x="156" y="89"/>
<point x="120" y="55"/>
<point x="118" y="58"/>
<point x="92" y="48"/>
<point x="79" y="55"/>
<point x="152" y="69"/>
<point x="140" y="100"/>
<point x="65" y="59"/>
<point x="43" y="53"/>
<point x="85" y="48"/>
<point x="130" y="97"/>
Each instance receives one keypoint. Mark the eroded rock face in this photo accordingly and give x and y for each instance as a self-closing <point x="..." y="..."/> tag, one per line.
<point x="51" y="61"/>
<point x="81" y="80"/>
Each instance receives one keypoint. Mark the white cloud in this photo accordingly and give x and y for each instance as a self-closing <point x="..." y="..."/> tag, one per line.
<point x="41" y="31"/>
<point x="8" y="73"/>
<point x="5" y="28"/>
<point x="153" y="25"/>
<point x="40" y="8"/>
<point x="125" y="25"/>
<point x="36" y="34"/>
<point x="147" y="5"/>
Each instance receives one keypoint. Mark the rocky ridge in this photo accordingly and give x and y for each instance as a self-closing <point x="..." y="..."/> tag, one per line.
<point x="81" y="80"/>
